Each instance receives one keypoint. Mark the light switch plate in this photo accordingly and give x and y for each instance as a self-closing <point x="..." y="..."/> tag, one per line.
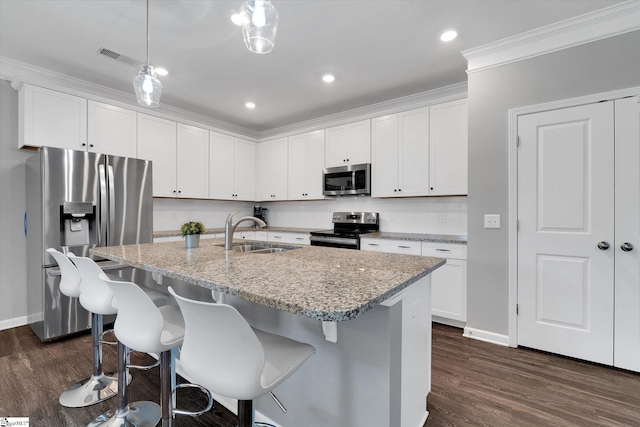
<point x="492" y="221"/>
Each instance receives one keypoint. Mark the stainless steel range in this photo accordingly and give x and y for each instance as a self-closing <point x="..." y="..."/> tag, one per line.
<point x="347" y="228"/>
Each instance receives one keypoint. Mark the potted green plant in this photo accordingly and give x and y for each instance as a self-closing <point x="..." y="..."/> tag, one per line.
<point x="191" y="232"/>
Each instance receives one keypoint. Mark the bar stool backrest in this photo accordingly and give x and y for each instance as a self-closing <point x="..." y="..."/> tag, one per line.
<point x="70" y="280"/>
<point x="220" y="351"/>
<point x="139" y="323"/>
<point x="95" y="295"/>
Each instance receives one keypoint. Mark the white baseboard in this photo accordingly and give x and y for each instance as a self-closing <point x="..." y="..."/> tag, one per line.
<point x="480" y="335"/>
<point x="13" y="323"/>
<point x="449" y="322"/>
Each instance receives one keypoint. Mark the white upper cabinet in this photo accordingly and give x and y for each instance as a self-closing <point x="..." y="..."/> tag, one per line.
<point x="245" y="170"/>
<point x="192" y="162"/>
<point x="306" y="161"/>
<point x="157" y="142"/>
<point x="222" y="166"/>
<point x="271" y="163"/>
<point x="348" y="144"/>
<point x="448" y="139"/>
<point x="400" y="154"/>
<point x="51" y="118"/>
<point x="232" y="163"/>
<point x="180" y="156"/>
<point x="111" y="130"/>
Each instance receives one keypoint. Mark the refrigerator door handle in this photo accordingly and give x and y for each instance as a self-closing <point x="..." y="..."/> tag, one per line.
<point x="112" y="205"/>
<point x="102" y="226"/>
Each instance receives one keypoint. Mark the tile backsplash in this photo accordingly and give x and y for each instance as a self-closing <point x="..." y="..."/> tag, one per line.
<point x="433" y="215"/>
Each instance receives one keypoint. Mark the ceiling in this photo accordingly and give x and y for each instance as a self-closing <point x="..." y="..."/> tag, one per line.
<point x="378" y="50"/>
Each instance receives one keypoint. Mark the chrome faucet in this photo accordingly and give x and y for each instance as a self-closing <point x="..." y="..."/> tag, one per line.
<point x="230" y="228"/>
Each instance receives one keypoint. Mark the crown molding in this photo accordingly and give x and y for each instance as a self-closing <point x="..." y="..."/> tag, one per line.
<point x="418" y="100"/>
<point x="19" y="73"/>
<point x="589" y="27"/>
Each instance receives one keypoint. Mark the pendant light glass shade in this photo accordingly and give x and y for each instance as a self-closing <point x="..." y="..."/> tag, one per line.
<point x="147" y="86"/>
<point x="259" y="25"/>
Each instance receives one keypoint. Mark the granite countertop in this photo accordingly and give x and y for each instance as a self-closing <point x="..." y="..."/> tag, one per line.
<point x="172" y="233"/>
<point x="321" y="283"/>
<point x="441" y="238"/>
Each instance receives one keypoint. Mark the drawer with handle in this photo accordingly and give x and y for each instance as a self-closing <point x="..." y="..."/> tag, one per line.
<point x="408" y="247"/>
<point x="444" y="250"/>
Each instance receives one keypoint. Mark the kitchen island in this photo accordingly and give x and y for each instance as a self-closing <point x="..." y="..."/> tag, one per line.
<point x="367" y="314"/>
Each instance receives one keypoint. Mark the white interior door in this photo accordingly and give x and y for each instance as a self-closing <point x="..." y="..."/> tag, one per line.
<point x="565" y="209"/>
<point x="627" y="262"/>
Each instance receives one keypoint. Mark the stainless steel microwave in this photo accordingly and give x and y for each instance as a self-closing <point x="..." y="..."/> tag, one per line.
<point x="347" y="180"/>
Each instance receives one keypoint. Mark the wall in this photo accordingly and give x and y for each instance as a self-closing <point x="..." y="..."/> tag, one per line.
<point x="170" y="214"/>
<point x="601" y="66"/>
<point x="13" y="282"/>
<point x="410" y="215"/>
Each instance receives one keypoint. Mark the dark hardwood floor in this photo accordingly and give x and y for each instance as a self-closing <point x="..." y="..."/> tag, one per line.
<point x="473" y="384"/>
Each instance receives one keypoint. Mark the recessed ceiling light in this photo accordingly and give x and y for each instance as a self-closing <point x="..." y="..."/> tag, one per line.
<point x="250" y="105"/>
<point x="160" y="71"/>
<point x="328" y="78"/>
<point x="447" y="36"/>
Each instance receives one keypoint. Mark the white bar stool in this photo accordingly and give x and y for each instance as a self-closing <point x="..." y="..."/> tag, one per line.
<point x="98" y="387"/>
<point x="142" y="326"/>
<point x="236" y="360"/>
<point x="97" y="297"/>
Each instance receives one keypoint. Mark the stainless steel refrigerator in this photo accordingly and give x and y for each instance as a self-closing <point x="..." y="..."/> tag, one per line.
<point x="77" y="200"/>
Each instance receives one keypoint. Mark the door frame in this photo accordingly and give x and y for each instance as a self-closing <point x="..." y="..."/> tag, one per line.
<point x="512" y="230"/>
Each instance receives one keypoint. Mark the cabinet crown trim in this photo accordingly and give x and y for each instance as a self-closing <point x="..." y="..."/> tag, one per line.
<point x="589" y="27"/>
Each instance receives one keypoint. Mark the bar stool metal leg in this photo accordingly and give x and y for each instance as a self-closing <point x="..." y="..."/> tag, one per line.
<point x="137" y="414"/>
<point x="99" y="386"/>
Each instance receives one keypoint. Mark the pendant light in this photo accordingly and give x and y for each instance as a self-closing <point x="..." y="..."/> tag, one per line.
<point x="259" y="25"/>
<point x="147" y="86"/>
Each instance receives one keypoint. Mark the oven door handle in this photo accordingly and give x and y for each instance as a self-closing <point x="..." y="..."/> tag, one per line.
<point x="338" y="240"/>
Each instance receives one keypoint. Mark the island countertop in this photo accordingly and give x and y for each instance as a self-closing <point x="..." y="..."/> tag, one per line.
<point x="328" y="284"/>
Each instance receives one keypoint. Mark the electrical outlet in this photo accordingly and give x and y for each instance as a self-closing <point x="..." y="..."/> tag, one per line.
<point x="492" y="221"/>
<point x="443" y="217"/>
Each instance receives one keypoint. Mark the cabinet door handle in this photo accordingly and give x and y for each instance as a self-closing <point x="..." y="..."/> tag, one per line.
<point x="404" y="247"/>
<point x="443" y="250"/>
<point x="373" y="244"/>
<point x="603" y="246"/>
<point x="299" y="238"/>
<point x="277" y="237"/>
<point x="626" y="246"/>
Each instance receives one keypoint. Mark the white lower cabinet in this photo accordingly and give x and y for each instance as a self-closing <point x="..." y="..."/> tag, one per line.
<point x="448" y="283"/>
<point x="407" y="247"/>
<point x="246" y="235"/>
<point x="177" y="238"/>
<point x="292" y="238"/>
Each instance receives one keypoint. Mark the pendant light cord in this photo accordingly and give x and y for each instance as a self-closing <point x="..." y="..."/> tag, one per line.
<point x="147" y="32"/>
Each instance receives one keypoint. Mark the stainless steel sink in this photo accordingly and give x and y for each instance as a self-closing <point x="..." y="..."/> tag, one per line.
<point x="261" y="248"/>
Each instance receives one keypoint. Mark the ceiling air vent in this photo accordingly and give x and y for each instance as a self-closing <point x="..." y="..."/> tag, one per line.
<point x="118" y="57"/>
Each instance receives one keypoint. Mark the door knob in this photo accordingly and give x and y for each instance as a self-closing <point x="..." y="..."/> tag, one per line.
<point x="603" y="246"/>
<point x="626" y="246"/>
